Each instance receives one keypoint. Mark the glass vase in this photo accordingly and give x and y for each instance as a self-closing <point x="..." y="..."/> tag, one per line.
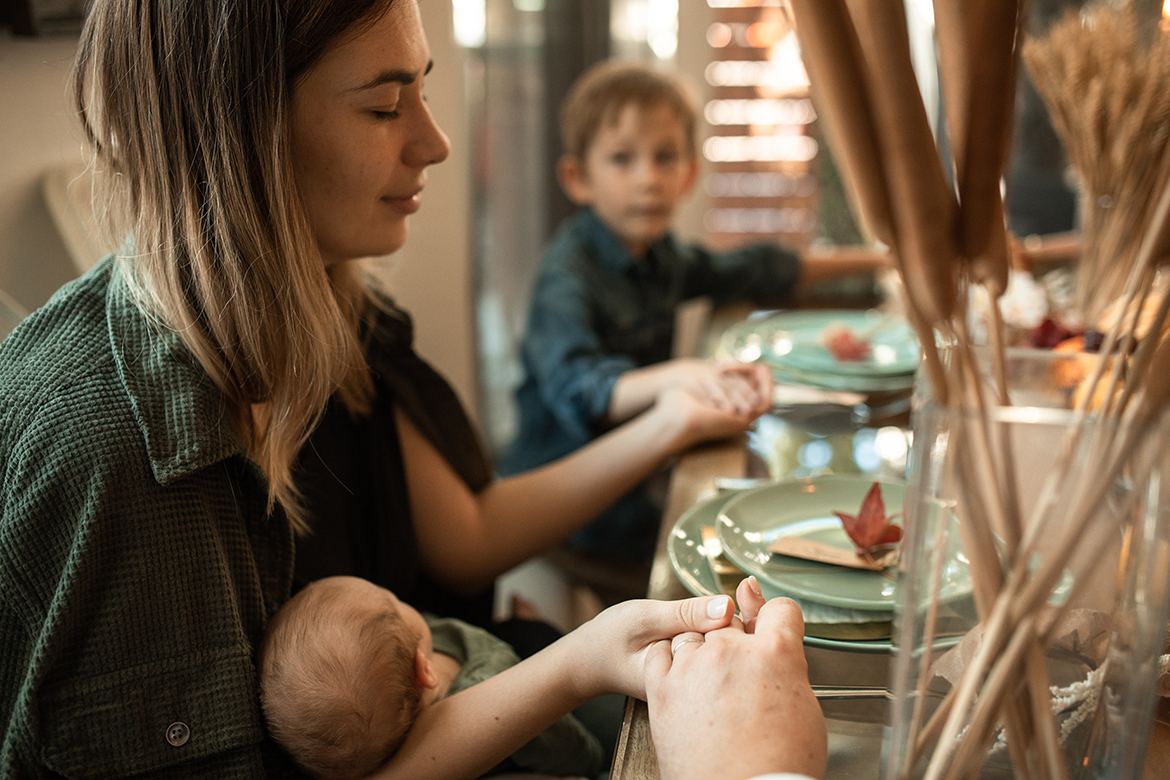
<point x="1032" y="602"/>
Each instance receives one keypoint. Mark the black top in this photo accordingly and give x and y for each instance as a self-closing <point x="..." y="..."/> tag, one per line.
<point x="359" y="503"/>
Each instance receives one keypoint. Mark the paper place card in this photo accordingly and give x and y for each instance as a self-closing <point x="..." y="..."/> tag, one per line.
<point x="798" y="547"/>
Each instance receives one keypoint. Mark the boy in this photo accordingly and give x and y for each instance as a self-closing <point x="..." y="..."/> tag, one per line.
<point x="597" y="346"/>
<point x="346" y="668"/>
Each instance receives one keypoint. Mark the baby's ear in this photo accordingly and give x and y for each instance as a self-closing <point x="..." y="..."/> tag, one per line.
<point x="574" y="180"/>
<point x="424" y="673"/>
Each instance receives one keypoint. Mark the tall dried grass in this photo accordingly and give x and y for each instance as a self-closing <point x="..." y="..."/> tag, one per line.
<point x="1107" y="93"/>
<point x="1107" y="89"/>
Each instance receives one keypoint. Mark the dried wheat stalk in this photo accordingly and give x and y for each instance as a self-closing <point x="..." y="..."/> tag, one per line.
<point x="1116" y="109"/>
<point x="1108" y="93"/>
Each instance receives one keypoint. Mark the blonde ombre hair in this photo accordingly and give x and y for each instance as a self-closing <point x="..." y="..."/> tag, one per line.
<point x="187" y="105"/>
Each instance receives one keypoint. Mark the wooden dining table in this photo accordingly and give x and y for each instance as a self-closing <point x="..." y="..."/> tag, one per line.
<point x="855" y="726"/>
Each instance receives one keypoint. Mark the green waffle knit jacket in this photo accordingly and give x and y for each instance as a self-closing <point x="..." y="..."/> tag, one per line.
<point x="138" y="568"/>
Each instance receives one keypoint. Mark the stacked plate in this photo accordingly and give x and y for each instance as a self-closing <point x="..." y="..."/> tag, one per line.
<point x="793" y="344"/>
<point x="844" y="608"/>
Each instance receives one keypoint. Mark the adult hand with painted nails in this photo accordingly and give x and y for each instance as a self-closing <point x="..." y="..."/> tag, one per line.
<point x="737" y="705"/>
<point x="610" y="652"/>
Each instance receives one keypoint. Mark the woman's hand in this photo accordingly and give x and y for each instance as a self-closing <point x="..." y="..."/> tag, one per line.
<point x="610" y="650"/>
<point x="737" y="704"/>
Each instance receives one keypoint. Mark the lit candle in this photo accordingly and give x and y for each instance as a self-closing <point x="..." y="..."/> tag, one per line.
<point x="1164" y="25"/>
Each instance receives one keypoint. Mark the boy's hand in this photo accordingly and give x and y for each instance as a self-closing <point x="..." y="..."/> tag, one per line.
<point x="692" y="419"/>
<point x="694" y="416"/>
<point x="739" y="388"/>
<point x="755" y="377"/>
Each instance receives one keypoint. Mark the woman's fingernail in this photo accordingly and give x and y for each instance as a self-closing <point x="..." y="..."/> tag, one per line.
<point x="754" y="584"/>
<point x="717" y="607"/>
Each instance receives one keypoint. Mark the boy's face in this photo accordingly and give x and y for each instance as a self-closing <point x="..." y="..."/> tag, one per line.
<point x="635" y="173"/>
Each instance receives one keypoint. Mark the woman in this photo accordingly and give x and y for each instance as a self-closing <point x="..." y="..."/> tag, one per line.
<point x="152" y="413"/>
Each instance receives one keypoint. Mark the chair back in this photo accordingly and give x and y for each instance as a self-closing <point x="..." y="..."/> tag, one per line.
<point x="11" y="313"/>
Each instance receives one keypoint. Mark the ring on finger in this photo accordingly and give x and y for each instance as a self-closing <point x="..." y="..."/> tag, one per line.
<point x="679" y="641"/>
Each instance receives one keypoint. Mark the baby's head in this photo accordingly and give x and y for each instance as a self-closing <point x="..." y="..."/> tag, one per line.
<point x="628" y="132"/>
<point x="343" y="675"/>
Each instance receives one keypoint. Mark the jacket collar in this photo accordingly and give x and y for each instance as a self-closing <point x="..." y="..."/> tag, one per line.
<point x="182" y="415"/>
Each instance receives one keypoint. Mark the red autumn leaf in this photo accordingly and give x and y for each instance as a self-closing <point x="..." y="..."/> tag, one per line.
<point x="843" y="345"/>
<point x="871" y="527"/>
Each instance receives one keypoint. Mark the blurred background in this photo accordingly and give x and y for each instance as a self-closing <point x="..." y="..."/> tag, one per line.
<point x="501" y="69"/>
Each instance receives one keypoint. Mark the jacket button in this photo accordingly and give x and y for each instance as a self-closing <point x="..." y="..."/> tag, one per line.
<point x="178" y="734"/>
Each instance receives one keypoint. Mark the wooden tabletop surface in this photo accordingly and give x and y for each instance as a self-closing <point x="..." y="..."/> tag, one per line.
<point x="854" y="730"/>
<point x="855" y="735"/>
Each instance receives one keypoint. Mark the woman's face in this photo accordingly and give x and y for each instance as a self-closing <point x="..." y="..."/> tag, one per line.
<point x="363" y="136"/>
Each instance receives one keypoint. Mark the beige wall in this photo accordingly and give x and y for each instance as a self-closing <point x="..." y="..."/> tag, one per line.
<point x="37" y="132"/>
<point x="693" y="55"/>
<point x="431" y="277"/>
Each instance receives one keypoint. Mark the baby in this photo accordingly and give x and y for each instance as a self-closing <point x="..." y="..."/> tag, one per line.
<point x="346" y="668"/>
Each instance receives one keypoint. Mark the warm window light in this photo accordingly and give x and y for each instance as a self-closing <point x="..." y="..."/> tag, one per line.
<point x="653" y="22"/>
<point x="759" y="184"/>
<point x="763" y="35"/>
<point x="718" y="35"/>
<point x="662" y="30"/>
<point x="760" y="148"/>
<point x="754" y="73"/>
<point x="741" y="3"/>
<point x="761" y="220"/>
<point x="760" y="112"/>
<point x="470" y="18"/>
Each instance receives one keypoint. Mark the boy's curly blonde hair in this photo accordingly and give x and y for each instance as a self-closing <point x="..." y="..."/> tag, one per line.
<point x="600" y="94"/>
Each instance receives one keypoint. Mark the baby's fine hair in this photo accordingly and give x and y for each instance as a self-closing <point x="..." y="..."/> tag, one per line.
<point x="600" y="94"/>
<point x="337" y="683"/>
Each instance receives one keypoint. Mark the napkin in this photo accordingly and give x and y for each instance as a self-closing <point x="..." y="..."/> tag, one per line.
<point x="791" y="395"/>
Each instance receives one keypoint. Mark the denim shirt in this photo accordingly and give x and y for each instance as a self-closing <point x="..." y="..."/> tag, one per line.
<point x="597" y="312"/>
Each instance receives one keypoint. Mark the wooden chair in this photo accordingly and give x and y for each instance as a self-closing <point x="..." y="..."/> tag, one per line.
<point x="68" y="194"/>
<point x="11" y="313"/>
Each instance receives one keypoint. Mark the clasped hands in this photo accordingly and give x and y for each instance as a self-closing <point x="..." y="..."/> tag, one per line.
<point x="735" y="702"/>
<point x="742" y="389"/>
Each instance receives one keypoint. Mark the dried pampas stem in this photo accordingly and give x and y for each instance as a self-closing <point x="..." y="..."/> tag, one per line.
<point x="1110" y="101"/>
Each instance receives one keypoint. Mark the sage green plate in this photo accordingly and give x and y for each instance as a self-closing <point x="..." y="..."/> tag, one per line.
<point x="804" y="507"/>
<point x="791" y="342"/>
<point x="844" y="382"/>
<point x="844" y="629"/>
